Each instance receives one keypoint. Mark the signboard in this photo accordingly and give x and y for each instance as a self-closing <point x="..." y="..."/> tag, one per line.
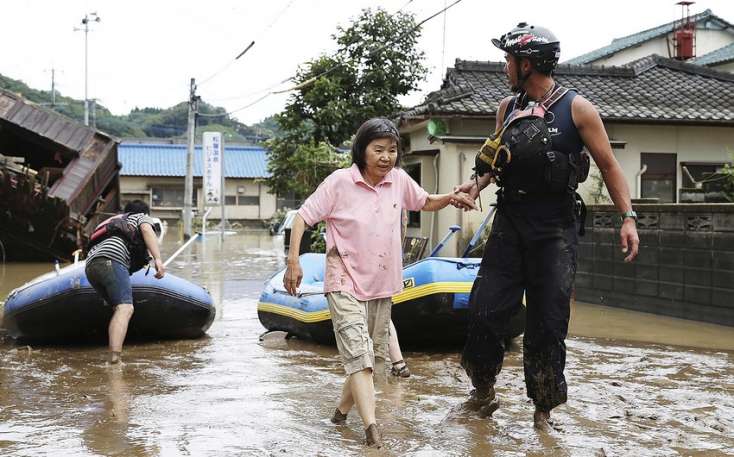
<point x="213" y="162"/>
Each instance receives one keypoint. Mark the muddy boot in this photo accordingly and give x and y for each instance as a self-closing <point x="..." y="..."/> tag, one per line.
<point x="339" y="417"/>
<point x="374" y="437"/>
<point x="482" y="401"/>
<point x="489" y="409"/>
<point x="541" y="420"/>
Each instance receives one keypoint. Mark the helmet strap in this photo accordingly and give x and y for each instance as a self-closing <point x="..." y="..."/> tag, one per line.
<point x="522" y="77"/>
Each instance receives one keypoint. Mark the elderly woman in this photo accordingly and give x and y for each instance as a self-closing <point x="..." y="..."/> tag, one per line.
<point x="362" y="208"/>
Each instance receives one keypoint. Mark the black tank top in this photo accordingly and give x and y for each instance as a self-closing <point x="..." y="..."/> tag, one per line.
<point x="564" y="134"/>
<point x="565" y="138"/>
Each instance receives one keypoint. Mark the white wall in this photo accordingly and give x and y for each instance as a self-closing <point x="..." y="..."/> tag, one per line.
<point x="454" y="166"/>
<point x="656" y="46"/>
<point x="706" y="41"/>
<point x="690" y="143"/>
<point x="234" y="186"/>
<point x="711" y="40"/>
<point x="246" y="187"/>
<point x="725" y="67"/>
<point x="455" y="163"/>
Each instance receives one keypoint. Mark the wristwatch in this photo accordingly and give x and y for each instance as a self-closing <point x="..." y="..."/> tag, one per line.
<point x="629" y="213"/>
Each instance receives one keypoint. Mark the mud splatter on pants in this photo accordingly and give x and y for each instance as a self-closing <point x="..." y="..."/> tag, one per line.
<point x="531" y="249"/>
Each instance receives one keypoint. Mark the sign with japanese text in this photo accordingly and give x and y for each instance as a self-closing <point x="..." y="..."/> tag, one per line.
<point x="213" y="163"/>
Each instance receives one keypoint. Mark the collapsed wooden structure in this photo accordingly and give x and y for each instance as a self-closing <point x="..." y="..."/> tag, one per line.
<point x="58" y="179"/>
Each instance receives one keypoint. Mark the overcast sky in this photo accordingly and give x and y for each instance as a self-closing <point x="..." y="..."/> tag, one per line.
<point x="143" y="53"/>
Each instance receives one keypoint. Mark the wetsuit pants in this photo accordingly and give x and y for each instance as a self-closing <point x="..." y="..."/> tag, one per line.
<point x="531" y="249"/>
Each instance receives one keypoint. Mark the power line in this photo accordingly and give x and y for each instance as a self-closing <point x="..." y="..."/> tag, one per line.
<point x="252" y="43"/>
<point x="227" y="65"/>
<point x="443" y="41"/>
<point x="266" y="92"/>
<point x="326" y="72"/>
<point x="405" y="5"/>
<point x="249" y="94"/>
<point x="379" y="49"/>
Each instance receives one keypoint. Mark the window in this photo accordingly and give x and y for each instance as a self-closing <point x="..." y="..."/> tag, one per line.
<point x="414" y="171"/>
<point x="230" y="200"/>
<point x="659" y="181"/>
<point x="702" y="173"/>
<point x="169" y="197"/>
<point x="127" y="197"/>
<point x="248" y="200"/>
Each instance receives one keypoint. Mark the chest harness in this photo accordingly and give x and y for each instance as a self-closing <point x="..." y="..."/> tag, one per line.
<point x="520" y="154"/>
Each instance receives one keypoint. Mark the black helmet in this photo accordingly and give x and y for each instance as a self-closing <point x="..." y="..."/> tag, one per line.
<point x="535" y="43"/>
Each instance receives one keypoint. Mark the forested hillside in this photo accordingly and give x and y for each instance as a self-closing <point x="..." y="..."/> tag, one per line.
<point x="149" y="122"/>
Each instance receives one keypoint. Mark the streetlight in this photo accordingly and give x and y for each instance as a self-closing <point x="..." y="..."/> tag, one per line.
<point x="90" y="17"/>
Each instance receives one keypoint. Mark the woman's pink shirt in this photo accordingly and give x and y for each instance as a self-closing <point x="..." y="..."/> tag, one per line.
<point x="363" y="240"/>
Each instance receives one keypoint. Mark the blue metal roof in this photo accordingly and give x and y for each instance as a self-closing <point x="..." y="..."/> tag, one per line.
<point x="706" y="20"/>
<point x="719" y="56"/>
<point x="150" y="159"/>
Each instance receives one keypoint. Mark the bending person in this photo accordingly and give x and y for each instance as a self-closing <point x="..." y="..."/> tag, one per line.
<point x="117" y="255"/>
<point x="361" y="206"/>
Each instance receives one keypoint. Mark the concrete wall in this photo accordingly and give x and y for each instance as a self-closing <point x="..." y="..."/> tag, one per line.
<point x="706" y="41"/>
<point x="685" y="267"/>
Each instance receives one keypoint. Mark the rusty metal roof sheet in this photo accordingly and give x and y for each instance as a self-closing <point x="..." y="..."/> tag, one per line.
<point x="46" y="123"/>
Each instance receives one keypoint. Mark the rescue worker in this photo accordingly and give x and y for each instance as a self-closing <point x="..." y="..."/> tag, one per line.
<point x="533" y="242"/>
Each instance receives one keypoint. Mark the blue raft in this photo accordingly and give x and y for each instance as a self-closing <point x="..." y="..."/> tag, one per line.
<point x="63" y="306"/>
<point x="432" y="309"/>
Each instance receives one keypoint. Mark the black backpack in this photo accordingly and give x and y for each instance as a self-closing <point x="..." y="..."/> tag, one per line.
<point x="118" y="226"/>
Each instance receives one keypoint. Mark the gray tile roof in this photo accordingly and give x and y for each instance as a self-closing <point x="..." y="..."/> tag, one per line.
<point x="704" y="20"/>
<point x="717" y="57"/>
<point x="652" y="89"/>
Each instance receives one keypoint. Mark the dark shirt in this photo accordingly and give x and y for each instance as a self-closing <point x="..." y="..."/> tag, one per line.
<point x="115" y="248"/>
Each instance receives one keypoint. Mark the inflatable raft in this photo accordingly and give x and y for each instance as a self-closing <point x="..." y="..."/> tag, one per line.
<point x="63" y="306"/>
<point x="432" y="309"/>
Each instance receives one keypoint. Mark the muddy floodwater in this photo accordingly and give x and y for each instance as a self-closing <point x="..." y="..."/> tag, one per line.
<point x="639" y="385"/>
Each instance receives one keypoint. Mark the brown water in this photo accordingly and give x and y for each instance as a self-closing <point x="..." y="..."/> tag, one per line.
<point x="631" y="391"/>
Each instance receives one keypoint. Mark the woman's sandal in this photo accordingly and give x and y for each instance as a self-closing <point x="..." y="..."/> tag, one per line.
<point x="400" y="371"/>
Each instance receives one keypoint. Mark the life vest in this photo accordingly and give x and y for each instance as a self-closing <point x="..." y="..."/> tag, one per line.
<point x="118" y="226"/>
<point x="521" y="156"/>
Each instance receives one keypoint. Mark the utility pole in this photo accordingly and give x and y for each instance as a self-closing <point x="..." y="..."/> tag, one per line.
<point x="53" y="103"/>
<point x="53" y="86"/>
<point x="85" y="28"/>
<point x="189" y="182"/>
<point x="93" y="111"/>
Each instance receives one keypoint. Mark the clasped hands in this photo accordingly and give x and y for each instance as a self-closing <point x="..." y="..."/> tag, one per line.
<point x="464" y="195"/>
<point x="461" y="200"/>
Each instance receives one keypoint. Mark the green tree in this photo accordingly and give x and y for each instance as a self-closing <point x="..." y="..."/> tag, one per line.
<point x="727" y="175"/>
<point x="377" y="61"/>
<point x="597" y="191"/>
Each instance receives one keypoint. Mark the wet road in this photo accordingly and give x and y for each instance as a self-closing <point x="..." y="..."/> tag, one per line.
<point x="632" y="391"/>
